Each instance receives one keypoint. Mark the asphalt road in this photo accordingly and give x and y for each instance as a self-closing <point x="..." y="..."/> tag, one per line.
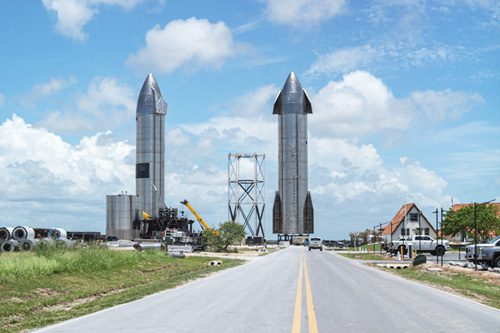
<point x="294" y="290"/>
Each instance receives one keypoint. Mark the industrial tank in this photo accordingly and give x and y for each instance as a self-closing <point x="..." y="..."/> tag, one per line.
<point x="121" y="211"/>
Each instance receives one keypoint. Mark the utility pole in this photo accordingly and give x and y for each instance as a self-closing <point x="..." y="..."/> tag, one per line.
<point x="437" y="239"/>
<point x="380" y="239"/>
<point x="442" y="213"/>
<point x="374" y="238"/>
<point x="419" y="232"/>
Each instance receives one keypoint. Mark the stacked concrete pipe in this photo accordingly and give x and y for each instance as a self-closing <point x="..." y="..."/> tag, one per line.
<point x="28" y="244"/>
<point x="5" y="234"/>
<point x="21" y="232"/>
<point x="10" y="246"/>
<point x="60" y="237"/>
<point x="57" y="233"/>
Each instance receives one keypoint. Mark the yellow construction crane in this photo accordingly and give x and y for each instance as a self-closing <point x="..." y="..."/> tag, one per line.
<point x="204" y="225"/>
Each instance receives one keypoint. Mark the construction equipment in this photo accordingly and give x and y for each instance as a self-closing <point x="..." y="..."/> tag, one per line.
<point x="204" y="225"/>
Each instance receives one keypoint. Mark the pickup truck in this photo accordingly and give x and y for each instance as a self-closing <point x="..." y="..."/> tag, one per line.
<point x="488" y="253"/>
<point x="420" y="244"/>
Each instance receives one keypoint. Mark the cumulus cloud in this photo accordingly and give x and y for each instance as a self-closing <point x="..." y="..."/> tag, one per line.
<point x="361" y="104"/>
<point x="302" y="12"/>
<point x="106" y="104"/>
<point x="73" y="15"/>
<point x="192" y="42"/>
<point x="255" y="101"/>
<point x="53" y="86"/>
<point x="42" y="170"/>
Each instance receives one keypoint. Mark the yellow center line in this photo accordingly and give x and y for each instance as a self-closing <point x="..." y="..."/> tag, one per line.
<point x="311" y="315"/>
<point x="298" y="303"/>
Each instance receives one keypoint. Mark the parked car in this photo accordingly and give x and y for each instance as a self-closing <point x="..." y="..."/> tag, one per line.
<point x="315" y="243"/>
<point x="420" y="244"/>
<point x="488" y="253"/>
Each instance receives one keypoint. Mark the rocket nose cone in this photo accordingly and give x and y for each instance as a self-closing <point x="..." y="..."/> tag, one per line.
<point x="292" y="84"/>
<point x="150" y="98"/>
<point x="149" y="83"/>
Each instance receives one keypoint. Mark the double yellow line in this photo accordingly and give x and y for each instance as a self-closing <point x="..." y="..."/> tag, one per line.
<point x="311" y="315"/>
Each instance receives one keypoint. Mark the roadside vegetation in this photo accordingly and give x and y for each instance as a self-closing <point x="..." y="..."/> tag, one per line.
<point x="51" y="285"/>
<point x="462" y="221"/>
<point x="476" y="285"/>
<point x="229" y="233"/>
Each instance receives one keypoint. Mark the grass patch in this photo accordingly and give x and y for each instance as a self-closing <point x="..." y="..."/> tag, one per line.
<point x="364" y="256"/>
<point x="51" y="285"/>
<point x="474" y="286"/>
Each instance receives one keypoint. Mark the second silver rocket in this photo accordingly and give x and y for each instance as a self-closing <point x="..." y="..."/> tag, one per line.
<point x="150" y="147"/>
<point x="293" y="210"/>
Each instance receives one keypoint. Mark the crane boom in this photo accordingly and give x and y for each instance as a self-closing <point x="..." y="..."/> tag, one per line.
<point x="203" y="224"/>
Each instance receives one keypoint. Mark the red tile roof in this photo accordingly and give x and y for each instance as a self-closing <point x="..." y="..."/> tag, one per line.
<point x="457" y="207"/>
<point x="398" y="218"/>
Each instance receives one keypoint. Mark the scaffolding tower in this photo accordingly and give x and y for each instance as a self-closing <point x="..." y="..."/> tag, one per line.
<point x="246" y="194"/>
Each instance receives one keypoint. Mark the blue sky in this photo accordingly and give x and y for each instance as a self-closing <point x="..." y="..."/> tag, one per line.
<point x="405" y="101"/>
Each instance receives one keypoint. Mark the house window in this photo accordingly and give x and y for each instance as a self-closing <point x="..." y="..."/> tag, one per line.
<point x="403" y="232"/>
<point x="408" y="231"/>
<point x="413" y="217"/>
<point x="426" y="231"/>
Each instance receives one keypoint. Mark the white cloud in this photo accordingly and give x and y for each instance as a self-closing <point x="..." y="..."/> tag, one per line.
<point x="343" y="60"/>
<point x="255" y="101"/>
<point x="106" y="104"/>
<point x="361" y="104"/>
<point x="73" y="15"/>
<point x="350" y="171"/>
<point x="437" y="106"/>
<point x="358" y="105"/>
<point x="41" y="172"/>
<point x="492" y="7"/>
<point x="191" y="43"/>
<point x="385" y="52"/>
<point x="53" y="86"/>
<point x="298" y="13"/>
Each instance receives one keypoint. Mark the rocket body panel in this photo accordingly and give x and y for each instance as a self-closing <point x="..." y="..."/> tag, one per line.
<point x="150" y="147"/>
<point x="292" y="106"/>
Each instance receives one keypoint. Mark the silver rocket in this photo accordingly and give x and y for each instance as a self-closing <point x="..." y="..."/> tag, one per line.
<point x="150" y="147"/>
<point x="293" y="210"/>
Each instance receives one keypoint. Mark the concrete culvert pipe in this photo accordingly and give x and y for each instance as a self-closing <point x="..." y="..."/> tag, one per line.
<point x="27" y="244"/>
<point x="57" y="233"/>
<point x="6" y="233"/>
<point x="10" y="246"/>
<point x="64" y="243"/>
<point x="21" y="233"/>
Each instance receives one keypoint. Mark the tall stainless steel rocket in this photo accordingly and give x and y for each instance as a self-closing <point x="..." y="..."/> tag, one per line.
<point x="150" y="147"/>
<point x="293" y="210"/>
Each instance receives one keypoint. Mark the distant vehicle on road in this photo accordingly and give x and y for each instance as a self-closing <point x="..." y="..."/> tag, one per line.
<point x="420" y="244"/>
<point x="315" y="243"/>
<point x="488" y="253"/>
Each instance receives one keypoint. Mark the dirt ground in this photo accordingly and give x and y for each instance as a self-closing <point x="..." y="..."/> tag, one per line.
<point x="490" y="276"/>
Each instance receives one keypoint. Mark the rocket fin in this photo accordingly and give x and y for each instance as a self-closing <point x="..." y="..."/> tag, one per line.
<point x="307" y="103"/>
<point x="277" y="215"/>
<point x="308" y="215"/>
<point x="277" y="104"/>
